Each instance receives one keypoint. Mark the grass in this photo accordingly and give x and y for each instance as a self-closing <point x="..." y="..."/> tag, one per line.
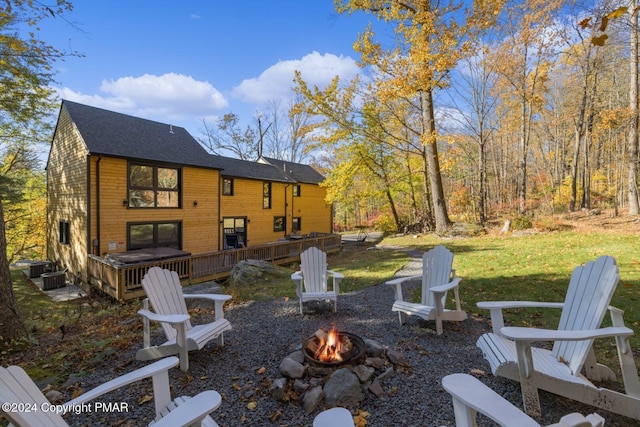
<point x="537" y="267"/>
<point x="533" y="267"/>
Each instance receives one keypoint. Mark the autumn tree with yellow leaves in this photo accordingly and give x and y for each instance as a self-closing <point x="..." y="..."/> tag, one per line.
<point x="429" y="40"/>
<point x="26" y="100"/>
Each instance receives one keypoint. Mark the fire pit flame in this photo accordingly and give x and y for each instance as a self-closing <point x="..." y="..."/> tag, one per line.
<point x="331" y="346"/>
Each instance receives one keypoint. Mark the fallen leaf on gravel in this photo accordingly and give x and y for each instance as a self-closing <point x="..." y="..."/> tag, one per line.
<point x="144" y="399"/>
<point x="360" y="420"/>
<point x="478" y="372"/>
<point x="261" y="370"/>
<point x="252" y="406"/>
<point x="77" y="393"/>
<point x="237" y="387"/>
<point x="274" y="416"/>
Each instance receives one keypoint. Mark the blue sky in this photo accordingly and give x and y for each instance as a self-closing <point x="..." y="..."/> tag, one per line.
<point x="181" y="61"/>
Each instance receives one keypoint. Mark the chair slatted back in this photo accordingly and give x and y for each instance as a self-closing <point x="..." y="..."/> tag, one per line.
<point x="164" y="292"/>
<point x="588" y="297"/>
<point x="17" y="387"/>
<point x="436" y="270"/>
<point x="313" y="264"/>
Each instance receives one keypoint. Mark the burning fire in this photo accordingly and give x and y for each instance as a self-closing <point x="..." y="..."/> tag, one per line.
<point x="331" y="346"/>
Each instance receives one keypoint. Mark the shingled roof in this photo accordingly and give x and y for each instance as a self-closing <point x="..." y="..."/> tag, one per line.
<point x="114" y="134"/>
<point x="109" y="133"/>
<point x="238" y="168"/>
<point x="296" y="171"/>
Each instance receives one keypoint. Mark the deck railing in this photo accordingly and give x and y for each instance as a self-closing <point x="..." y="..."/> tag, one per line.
<point x="123" y="282"/>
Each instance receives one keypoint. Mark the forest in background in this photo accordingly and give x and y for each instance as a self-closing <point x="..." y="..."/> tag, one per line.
<point x="463" y="112"/>
<point x="533" y="111"/>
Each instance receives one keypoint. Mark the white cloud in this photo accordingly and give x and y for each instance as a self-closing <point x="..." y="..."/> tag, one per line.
<point x="276" y="81"/>
<point x="168" y="95"/>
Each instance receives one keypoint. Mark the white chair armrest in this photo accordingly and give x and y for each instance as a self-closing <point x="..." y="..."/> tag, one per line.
<point x="534" y="334"/>
<point x="192" y="411"/>
<point x="337" y="277"/>
<point x="158" y="370"/>
<point x="336" y="274"/>
<point x="447" y="287"/>
<point x="399" y="282"/>
<point x="496" y="307"/>
<point x="402" y="280"/>
<point x="297" y="279"/>
<point x="165" y="318"/>
<point x="218" y="299"/>
<point x="212" y="297"/>
<point x="490" y="305"/>
<point x="470" y="395"/>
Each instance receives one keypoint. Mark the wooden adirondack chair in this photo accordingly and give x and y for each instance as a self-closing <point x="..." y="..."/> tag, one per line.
<point x="164" y="291"/>
<point x="33" y="409"/>
<point x="311" y="280"/>
<point x="471" y="396"/>
<point x="570" y="366"/>
<point x="438" y="278"/>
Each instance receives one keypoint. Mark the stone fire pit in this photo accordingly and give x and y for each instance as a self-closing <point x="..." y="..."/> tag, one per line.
<point x="346" y="383"/>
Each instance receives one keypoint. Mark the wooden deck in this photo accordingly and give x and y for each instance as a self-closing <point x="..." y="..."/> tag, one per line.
<point x="123" y="282"/>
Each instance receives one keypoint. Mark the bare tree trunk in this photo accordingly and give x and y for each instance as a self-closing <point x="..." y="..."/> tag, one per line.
<point x="632" y="143"/>
<point x="522" y="183"/>
<point x="482" y="196"/>
<point x="435" y="177"/>
<point x="11" y="323"/>
<point x="574" y="170"/>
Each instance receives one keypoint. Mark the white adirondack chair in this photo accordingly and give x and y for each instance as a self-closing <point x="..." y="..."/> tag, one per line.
<point x="311" y="280"/>
<point x="471" y="396"/>
<point x="23" y="404"/>
<point x="438" y="278"/>
<point x="570" y="366"/>
<point x="164" y="291"/>
<point x="334" y="417"/>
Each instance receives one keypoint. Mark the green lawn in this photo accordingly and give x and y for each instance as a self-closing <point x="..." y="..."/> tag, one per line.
<point x="537" y="268"/>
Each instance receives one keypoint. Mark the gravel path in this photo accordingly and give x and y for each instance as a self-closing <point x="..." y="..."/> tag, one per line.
<point x="266" y="331"/>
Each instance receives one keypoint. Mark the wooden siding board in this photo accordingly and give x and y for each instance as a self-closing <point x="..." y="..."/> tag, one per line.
<point x="67" y="197"/>
<point x="199" y="223"/>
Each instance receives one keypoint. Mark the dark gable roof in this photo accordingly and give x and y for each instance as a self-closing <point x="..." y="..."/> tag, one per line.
<point x="114" y="134"/>
<point x="238" y="168"/>
<point x="297" y="171"/>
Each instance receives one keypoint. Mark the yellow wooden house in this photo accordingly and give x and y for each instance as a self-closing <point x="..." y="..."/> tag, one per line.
<point x="127" y="189"/>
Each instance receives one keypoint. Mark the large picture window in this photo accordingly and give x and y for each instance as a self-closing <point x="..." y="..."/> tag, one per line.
<point x="154" y="235"/>
<point x="153" y="186"/>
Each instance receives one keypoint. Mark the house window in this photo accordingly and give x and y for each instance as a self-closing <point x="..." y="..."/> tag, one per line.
<point x="296" y="190"/>
<point x="153" y="186"/>
<point x="154" y="235"/>
<point x="65" y="232"/>
<point x="234" y="232"/>
<point x="296" y="223"/>
<point x="266" y="195"/>
<point x="279" y="223"/>
<point x="227" y="186"/>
